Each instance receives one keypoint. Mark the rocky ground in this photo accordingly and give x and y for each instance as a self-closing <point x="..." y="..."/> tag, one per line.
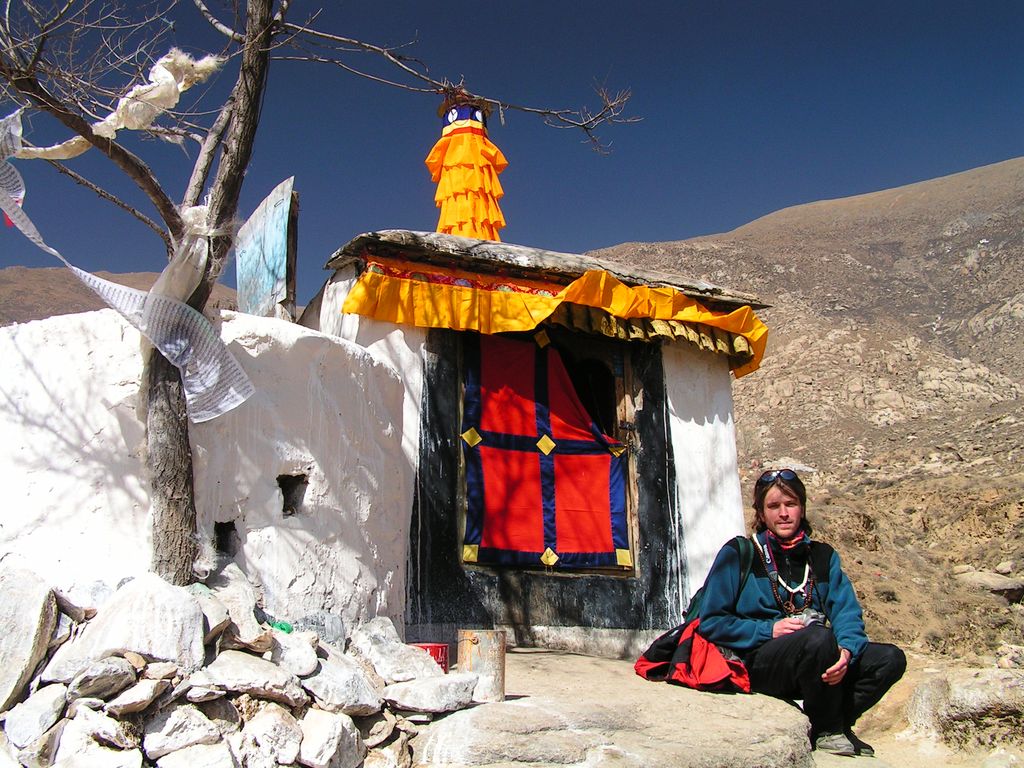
<point x="192" y="677"/>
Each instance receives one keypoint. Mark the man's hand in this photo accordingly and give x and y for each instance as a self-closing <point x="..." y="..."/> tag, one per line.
<point x="835" y="674"/>
<point x="786" y="626"/>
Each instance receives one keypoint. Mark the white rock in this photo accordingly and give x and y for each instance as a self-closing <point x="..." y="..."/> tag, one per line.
<point x="198" y="694"/>
<point x="40" y="753"/>
<point x="96" y="756"/>
<point x="215" y="614"/>
<point x="223" y="714"/>
<point x="248" y="753"/>
<point x="37" y="714"/>
<point x="85" y="598"/>
<point x="178" y="727"/>
<point x="70" y="608"/>
<point x="979" y="705"/>
<point x="245" y="673"/>
<point x="28" y="614"/>
<point x="296" y="652"/>
<point x="147" y="615"/>
<point x="137" y="698"/>
<point x="84" y="703"/>
<point x="200" y="756"/>
<point x="102" y="678"/>
<point x="107" y="731"/>
<point x="7" y="754"/>
<point x="1000" y="757"/>
<point x="160" y="670"/>
<point x="61" y="632"/>
<point x="200" y="678"/>
<point x="395" y="754"/>
<point x="377" y="641"/>
<point x="340" y="685"/>
<point x="1006" y="567"/>
<point x="89" y="728"/>
<point x="200" y="687"/>
<point x="446" y="693"/>
<point x="329" y="627"/>
<point x="231" y="587"/>
<point x="330" y="740"/>
<point x="137" y="660"/>
<point x="276" y="732"/>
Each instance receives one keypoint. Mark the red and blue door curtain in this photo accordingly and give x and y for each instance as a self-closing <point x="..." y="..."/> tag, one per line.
<point x="544" y="486"/>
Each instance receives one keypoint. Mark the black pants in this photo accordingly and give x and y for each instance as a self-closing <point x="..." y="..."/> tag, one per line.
<point x="790" y="667"/>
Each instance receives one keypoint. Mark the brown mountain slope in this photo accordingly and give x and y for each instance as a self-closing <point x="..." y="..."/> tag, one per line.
<point x="34" y="293"/>
<point x="894" y="369"/>
<point x="940" y="258"/>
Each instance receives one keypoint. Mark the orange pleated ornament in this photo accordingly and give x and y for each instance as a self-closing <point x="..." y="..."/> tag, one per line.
<point x="465" y="166"/>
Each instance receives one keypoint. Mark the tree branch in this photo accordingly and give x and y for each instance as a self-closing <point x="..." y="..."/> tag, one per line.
<point x="237" y="143"/>
<point x="130" y="164"/>
<point x="611" y="111"/>
<point x="217" y="24"/>
<point x="214" y="137"/>
<point x="160" y="231"/>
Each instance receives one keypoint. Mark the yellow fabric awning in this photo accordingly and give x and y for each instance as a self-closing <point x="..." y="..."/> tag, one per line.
<point x="430" y="296"/>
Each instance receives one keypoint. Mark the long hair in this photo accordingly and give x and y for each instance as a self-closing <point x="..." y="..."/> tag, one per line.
<point x="791" y="485"/>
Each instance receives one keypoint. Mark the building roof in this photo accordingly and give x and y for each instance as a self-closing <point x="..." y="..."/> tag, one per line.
<point x="521" y="261"/>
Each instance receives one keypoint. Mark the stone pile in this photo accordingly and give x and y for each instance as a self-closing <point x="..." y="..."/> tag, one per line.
<point x="173" y="676"/>
<point x="969" y="708"/>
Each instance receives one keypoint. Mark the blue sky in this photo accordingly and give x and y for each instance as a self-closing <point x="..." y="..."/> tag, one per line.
<point x="747" y="107"/>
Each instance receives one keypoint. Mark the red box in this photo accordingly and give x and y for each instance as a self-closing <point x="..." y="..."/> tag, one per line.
<point x="439" y="652"/>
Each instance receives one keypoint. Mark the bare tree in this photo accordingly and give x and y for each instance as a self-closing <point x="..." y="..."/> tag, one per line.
<point x="72" y="60"/>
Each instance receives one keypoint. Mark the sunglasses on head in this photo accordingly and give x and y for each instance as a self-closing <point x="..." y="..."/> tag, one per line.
<point x="772" y="474"/>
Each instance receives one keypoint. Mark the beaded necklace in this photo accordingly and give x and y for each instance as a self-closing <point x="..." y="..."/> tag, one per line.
<point x="806" y="587"/>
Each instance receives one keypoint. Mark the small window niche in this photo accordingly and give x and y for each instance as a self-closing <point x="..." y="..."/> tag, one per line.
<point x="226" y="538"/>
<point x="293" y="490"/>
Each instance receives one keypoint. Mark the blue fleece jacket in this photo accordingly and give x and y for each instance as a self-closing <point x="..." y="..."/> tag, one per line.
<point x="746" y="623"/>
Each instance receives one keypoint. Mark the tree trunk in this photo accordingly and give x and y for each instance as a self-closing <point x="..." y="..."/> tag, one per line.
<point x="175" y="544"/>
<point x="173" y="510"/>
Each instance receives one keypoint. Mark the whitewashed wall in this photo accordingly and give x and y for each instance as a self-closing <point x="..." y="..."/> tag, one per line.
<point x="402" y="346"/>
<point x="78" y="498"/>
<point x="76" y="495"/>
<point x="698" y="388"/>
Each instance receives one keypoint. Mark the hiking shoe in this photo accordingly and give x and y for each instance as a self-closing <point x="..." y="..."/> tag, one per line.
<point x="835" y="744"/>
<point x="862" y="747"/>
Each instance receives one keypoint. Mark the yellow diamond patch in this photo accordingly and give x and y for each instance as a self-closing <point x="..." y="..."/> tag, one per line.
<point x="546" y="445"/>
<point x="470" y="552"/>
<point x="549" y="558"/>
<point x="472" y="437"/>
<point x="541" y="337"/>
<point x="622" y="557"/>
<point x="617" y="450"/>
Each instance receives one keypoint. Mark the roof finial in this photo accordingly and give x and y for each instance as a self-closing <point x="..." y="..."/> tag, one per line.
<point x="465" y="166"/>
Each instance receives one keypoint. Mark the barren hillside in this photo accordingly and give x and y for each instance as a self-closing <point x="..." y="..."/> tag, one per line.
<point x="894" y="369"/>
<point x="32" y="294"/>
